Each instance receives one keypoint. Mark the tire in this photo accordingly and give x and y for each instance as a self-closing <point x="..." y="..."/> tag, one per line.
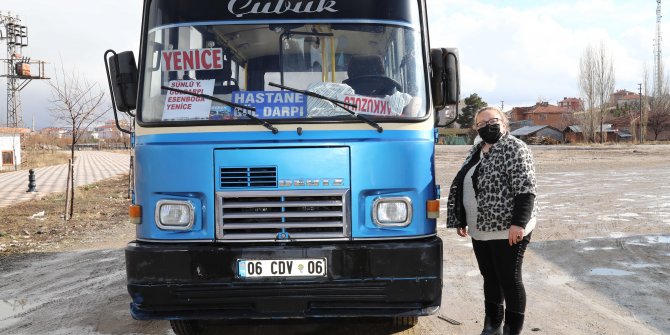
<point x="186" y="327"/>
<point x="405" y="322"/>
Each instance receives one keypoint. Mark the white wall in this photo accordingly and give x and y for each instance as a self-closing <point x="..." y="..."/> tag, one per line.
<point x="11" y="142"/>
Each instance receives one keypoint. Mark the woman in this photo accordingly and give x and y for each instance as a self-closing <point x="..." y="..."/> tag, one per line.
<point x="492" y="200"/>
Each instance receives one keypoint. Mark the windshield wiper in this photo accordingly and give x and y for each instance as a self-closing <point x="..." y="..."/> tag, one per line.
<point x="242" y="108"/>
<point x="337" y="103"/>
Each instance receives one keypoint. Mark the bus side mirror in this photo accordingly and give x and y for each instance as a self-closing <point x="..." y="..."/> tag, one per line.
<point x="453" y="76"/>
<point x="445" y="84"/>
<point x="445" y="80"/>
<point x="122" y="76"/>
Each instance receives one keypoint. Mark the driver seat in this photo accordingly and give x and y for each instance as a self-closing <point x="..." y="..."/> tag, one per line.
<point x="367" y="77"/>
<point x="223" y="81"/>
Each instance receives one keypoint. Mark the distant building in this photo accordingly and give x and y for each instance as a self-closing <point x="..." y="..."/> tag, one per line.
<point x="574" y="134"/>
<point x="625" y="99"/>
<point x="538" y="132"/>
<point x="631" y="126"/>
<point x="108" y="130"/>
<point x="55" y="132"/>
<point x="572" y="104"/>
<point x="10" y="147"/>
<point x="542" y="114"/>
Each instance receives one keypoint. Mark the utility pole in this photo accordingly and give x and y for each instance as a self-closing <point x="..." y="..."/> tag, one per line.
<point x="502" y="106"/>
<point x="18" y="67"/>
<point x="658" y="55"/>
<point x="639" y="123"/>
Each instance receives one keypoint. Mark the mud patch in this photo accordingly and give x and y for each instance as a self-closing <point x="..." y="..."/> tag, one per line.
<point x="631" y="271"/>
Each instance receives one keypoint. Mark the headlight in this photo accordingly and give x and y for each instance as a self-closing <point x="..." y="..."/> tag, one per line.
<point x="392" y="212"/>
<point x="174" y="215"/>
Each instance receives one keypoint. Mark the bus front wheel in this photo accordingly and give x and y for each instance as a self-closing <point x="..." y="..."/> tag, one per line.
<point x="186" y="327"/>
<point x="405" y="322"/>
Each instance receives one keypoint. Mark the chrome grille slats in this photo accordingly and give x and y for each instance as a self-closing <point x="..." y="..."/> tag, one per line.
<point x="238" y="204"/>
<point x="282" y="216"/>
<point x="284" y="224"/>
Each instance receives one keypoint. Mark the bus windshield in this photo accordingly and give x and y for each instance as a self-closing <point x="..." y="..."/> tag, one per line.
<point x="377" y="66"/>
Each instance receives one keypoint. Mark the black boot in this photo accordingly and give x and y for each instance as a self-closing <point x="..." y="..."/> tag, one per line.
<point x="493" y="320"/>
<point x="513" y="323"/>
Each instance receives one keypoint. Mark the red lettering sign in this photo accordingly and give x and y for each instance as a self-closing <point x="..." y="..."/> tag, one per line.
<point x="369" y="105"/>
<point x="193" y="59"/>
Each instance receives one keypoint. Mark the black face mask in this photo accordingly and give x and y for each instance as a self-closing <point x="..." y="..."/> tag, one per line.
<point x="490" y="134"/>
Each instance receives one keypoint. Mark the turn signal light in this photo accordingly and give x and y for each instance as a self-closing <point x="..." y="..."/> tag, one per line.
<point x="135" y="214"/>
<point x="433" y="209"/>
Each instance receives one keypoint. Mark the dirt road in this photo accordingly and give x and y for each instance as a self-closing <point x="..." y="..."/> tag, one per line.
<point x="598" y="263"/>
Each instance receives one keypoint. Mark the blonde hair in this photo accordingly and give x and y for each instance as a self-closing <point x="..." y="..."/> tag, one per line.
<point x="503" y="118"/>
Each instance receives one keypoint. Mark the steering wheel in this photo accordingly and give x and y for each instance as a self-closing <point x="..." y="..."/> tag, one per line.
<point x="373" y="85"/>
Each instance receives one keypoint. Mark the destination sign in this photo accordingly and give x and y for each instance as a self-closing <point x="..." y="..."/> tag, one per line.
<point x="168" y="12"/>
<point x="180" y="106"/>
<point x="273" y="104"/>
<point x="193" y="59"/>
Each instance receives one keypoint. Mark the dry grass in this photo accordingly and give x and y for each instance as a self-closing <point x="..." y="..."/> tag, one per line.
<point x="32" y="159"/>
<point x="100" y="216"/>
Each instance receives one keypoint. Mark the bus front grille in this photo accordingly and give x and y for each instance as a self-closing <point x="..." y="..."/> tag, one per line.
<point x="249" y="177"/>
<point x="283" y="216"/>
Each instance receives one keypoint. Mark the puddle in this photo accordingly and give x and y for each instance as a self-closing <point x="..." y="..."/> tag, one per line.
<point x="643" y="265"/>
<point x="603" y="248"/>
<point x="605" y="218"/>
<point x="609" y="272"/>
<point x="658" y="239"/>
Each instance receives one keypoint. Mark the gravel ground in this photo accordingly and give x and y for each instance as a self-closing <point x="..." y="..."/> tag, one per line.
<point x="598" y="262"/>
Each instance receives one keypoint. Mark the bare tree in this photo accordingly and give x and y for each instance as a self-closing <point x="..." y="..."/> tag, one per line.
<point x="587" y="89"/>
<point x="596" y="85"/>
<point x="126" y="121"/>
<point x="658" y="119"/>
<point x="77" y="104"/>
<point x="604" y="83"/>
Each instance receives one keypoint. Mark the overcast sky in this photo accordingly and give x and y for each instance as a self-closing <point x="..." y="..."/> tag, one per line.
<point x="517" y="51"/>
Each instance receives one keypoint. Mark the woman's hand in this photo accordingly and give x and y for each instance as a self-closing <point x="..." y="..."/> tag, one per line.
<point x="462" y="231"/>
<point x="515" y="234"/>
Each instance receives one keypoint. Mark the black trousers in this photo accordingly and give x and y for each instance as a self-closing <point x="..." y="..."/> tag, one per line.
<point x="500" y="265"/>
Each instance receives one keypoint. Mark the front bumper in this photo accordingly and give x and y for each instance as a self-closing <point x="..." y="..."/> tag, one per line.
<point x="200" y="281"/>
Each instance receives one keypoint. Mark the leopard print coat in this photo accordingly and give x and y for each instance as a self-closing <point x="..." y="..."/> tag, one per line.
<point x="506" y="171"/>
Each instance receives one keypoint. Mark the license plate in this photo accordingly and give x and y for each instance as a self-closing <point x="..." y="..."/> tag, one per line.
<point x="256" y="268"/>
